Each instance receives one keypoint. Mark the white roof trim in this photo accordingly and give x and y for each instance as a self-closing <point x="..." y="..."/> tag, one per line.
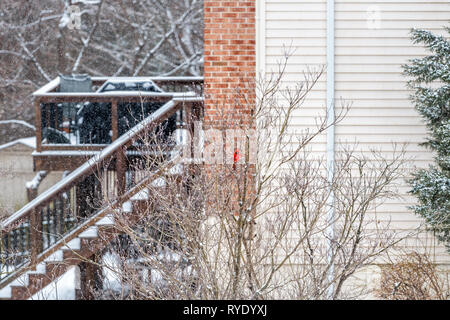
<point x="29" y="142"/>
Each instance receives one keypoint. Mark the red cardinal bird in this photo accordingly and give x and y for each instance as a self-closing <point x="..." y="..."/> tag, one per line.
<point x="235" y="158"/>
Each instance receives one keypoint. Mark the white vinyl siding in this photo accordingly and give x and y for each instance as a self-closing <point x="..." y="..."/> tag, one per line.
<point x="367" y="73"/>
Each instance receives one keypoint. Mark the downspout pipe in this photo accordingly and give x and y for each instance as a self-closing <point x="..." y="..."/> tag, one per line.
<point x="330" y="141"/>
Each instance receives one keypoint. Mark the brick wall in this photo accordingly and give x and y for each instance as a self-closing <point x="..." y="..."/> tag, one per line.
<point x="230" y="62"/>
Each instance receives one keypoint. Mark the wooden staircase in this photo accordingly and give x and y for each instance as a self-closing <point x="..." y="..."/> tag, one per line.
<point x="43" y="240"/>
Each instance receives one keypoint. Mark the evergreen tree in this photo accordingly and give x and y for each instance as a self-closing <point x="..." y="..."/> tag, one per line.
<point x="430" y="80"/>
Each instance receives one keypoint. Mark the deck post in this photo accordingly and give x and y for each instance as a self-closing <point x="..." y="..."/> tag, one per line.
<point x="121" y="170"/>
<point x="188" y="126"/>
<point x="91" y="278"/>
<point x="114" y="120"/>
<point x="36" y="244"/>
<point x="120" y="155"/>
<point x="38" y="123"/>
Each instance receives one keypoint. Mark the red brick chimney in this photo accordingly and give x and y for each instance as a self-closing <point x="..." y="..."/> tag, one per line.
<point x="229" y="63"/>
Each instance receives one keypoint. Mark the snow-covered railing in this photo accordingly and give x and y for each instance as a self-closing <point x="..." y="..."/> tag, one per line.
<point x="55" y="212"/>
<point x="166" y="83"/>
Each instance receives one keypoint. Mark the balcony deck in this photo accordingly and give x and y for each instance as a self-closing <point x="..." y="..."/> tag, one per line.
<point x="63" y="141"/>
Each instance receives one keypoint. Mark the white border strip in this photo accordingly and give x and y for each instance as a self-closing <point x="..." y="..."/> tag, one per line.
<point x="260" y="26"/>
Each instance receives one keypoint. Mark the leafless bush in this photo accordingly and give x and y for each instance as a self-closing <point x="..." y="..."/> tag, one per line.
<point x="414" y="277"/>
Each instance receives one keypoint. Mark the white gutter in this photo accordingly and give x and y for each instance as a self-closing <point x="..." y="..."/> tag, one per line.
<point x="260" y="25"/>
<point x="330" y="138"/>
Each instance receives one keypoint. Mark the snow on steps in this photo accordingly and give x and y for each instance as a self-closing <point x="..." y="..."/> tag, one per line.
<point x="127" y="207"/>
<point x="91" y="232"/>
<point x="5" y="293"/>
<point x="108" y="220"/>
<point x="57" y="256"/>
<point x="40" y="269"/>
<point x="141" y="195"/>
<point x="74" y="244"/>
<point x="22" y="281"/>
<point x="64" y="287"/>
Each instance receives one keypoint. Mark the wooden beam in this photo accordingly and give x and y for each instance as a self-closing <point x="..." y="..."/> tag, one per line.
<point x="58" y="163"/>
<point x="121" y="168"/>
<point x="38" y="124"/>
<point x="120" y="155"/>
<point x="36" y="244"/>
<point x="90" y="277"/>
<point x="114" y="120"/>
<point x="189" y="126"/>
<point x="74" y="148"/>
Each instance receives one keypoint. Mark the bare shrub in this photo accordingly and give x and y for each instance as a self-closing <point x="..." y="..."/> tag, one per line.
<point x="414" y="277"/>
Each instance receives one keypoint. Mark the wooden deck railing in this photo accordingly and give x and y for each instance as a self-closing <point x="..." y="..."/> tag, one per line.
<point x="61" y="123"/>
<point x="53" y="214"/>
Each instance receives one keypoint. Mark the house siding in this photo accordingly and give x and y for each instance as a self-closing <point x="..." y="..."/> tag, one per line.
<point x="371" y="43"/>
<point x="16" y="169"/>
